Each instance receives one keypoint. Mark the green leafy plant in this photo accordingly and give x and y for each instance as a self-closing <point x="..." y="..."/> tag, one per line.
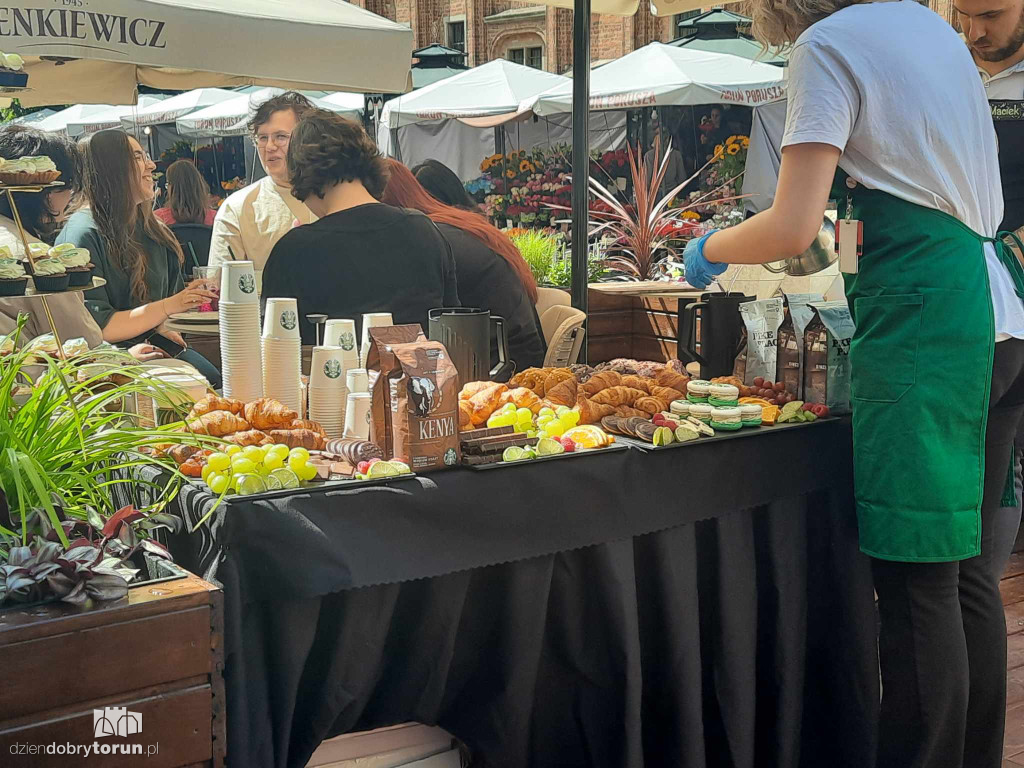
<point x="538" y="249"/>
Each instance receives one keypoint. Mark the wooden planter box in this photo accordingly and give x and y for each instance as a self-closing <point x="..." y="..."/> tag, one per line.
<point x="157" y="653"/>
<point x="637" y="320"/>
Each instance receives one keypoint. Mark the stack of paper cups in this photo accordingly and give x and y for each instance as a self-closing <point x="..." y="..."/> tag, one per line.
<point x="327" y="393"/>
<point x="372" y="320"/>
<point x="356" y="380"/>
<point x="240" y="332"/>
<point x="357" y="416"/>
<point x="282" y="352"/>
<point x="342" y="333"/>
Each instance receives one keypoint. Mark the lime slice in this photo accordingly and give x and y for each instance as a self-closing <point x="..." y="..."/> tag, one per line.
<point x="514" y="453"/>
<point x="285" y="477"/>
<point x="401" y="466"/>
<point x="383" y="469"/>
<point x="250" y="484"/>
<point x="685" y="434"/>
<point x="273" y="484"/>
<point x="663" y="436"/>
<point x="793" y="406"/>
<point x="549" y="447"/>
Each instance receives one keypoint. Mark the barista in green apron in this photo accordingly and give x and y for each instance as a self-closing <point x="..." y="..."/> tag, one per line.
<point x="887" y="117"/>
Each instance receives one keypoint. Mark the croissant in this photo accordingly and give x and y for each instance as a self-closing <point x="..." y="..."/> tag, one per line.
<point x="626" y="411"/>
<point x="472" y="388"/>
<point x="307" y="424"/>
<point x="212" y="403"/>
<point x="353" y="450"/>
<point x="248" y="437"/>
<point x="485" y="402"/>
<point x="182" y="453"/>
<point x="619" y="395"/>
<point x="666" y="377"/>
<point x="521" y="397"/>
<point x="666" y="394"/>
<point x="591" y="412"/>
<point x="650" y="405"/>
<point x="218" y="424"/>
<point x="465" y="414"/>
<point x="298" y="438"/>
<point x="267" y="413"/>
<point x="529" y="378"/>
<point x="600" y="381"/>
<point x="563" y="393"/>
<point x="637" y="382"/>
<point x="555" y="377"/>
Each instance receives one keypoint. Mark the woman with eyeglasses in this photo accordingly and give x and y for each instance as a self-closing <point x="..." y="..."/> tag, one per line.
<point x="132" y="250"/>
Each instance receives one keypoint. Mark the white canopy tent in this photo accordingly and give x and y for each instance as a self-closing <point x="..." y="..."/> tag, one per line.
<point x="456" y="120"/>
<point x="170" y="109"/>
<point x="88" y="118"/>
<point x="229" y="117"/>
<point x="664" y="75"/>
<point x="102" y="51"/>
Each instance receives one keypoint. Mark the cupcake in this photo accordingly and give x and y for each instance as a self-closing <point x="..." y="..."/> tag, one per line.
<point x="38" y="250"/>
<point x="723" y="395"/>
<point x="76" y="262"/>
<point x="13" y="279"/>
<point x="697" y="391"/>
<point x="728" y="419"/>
<point x="751" y="415"/>
<point x="49" y="276"/>
<point x="29" y="170"/>
<point x="701" y="412"/>
<point x="680" y="407"/>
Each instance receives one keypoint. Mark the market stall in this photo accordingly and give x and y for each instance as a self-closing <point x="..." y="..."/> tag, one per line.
<point x="79" y="119"/>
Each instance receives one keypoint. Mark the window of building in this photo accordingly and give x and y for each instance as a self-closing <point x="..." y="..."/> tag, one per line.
<point x="457" y="35"/>
<point x="530" y="57"/>
<point x="517" y="55"/>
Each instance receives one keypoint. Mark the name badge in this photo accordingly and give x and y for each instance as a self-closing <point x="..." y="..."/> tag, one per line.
<point x="849" y="244"/>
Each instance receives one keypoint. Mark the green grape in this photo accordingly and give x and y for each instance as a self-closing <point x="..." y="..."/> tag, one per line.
<point x="493" y="419"/>
<point x="561" y="410"/>
<point x="508" y="408"/>
<point x="572" y="418"/>
<point x="231" y="450"/>
<point x="545" y="411"/>
<point x="307" y="472"/>
<point x="524" y="416"/>
<point x="254" y="453"/>
<point x="296" y="463"/>
<point x="219" y="461"/>
<point x="242" y="466"/>
<point x="274" y="460"/>
<point x="299" y="453"/>
<point x="543" y="421"/>
<point x="207" y="469"/>
<point x="531" y="433"/>
<point x="219" y="484"/>
<point x="555" y="429"/>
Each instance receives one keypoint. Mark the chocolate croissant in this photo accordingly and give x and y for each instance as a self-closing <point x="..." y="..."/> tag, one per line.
<point x="354" y="451"/>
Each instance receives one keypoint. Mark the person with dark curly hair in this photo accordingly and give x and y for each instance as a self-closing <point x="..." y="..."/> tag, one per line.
<point x="360" y="255"/>
<point x="250" y="221"/>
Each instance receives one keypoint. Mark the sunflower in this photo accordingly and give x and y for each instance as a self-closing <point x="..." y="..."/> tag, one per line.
<point x="734" y="149"/>
<point x="486" y="164"/>
<point x="719" y="151"/>
<point x="510" y="173"/>
<point x="731" y="140"/>
<point x="690" y="216"/>
<point x="745" y="142"/>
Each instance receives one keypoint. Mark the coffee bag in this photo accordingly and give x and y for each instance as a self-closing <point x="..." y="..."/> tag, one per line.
<point x="380" y="361"/>
<point x="799" y="314"/>
<point x="761" y="319"/>
<point x="827" y="356"/>
<point x="424" y="400"/>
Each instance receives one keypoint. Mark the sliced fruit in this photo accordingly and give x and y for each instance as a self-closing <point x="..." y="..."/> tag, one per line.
<point x="273" y="484"/>
<point x="383" y="469"/>
<point x="568" y="444"/>
<point x="247" y="485"/>
<point x="753" y="401"/>
<point x="548" y="446"/>
<point x="363" y="467"/>
<point x="588" y="436"/>
<point x="663" y="436"/>
<point x="514" y="453"/>
<point x="810" y="416"/>
<point x="401" y="466"/>
<point x="286" y="478"/>
<point x="685" y="434"/>
<point x="770" y="415"/>
<point x="792" y="406"/>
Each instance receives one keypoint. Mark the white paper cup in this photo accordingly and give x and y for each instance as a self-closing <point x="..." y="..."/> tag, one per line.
<point x="357" y="416"/>
<point x="372" y="320"/>
<point x="281" y="320"/>
<point x="341" y="333"/>
<point x="238" y="283"/>
<point x="356" y="381"/>
<point x="327" y="369"/>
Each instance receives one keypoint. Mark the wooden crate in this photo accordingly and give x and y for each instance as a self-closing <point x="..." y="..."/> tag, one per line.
<point x="158" y="653"/>
<point x="638" y="320"/>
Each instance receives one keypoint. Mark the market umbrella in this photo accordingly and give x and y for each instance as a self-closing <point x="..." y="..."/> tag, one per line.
<point x="436" y="62"/>
<point x="82" y="118"/>
<point x="734" y="46"/>
<point x="102" y="51"/>
<point x="663" y="75"/>
<point x="170" y="109"/>
<point x="229" y="118"/>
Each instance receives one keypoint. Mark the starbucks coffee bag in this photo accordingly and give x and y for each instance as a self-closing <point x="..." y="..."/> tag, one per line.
<point x="761" y="321"/>
<point x="827" y="356"/>
<point x="424" y="397"/>
<point x="380" y="361"/>
<point x="799" y="314"/>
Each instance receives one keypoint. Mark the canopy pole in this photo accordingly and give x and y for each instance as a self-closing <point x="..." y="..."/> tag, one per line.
<point x="580" y="157"/>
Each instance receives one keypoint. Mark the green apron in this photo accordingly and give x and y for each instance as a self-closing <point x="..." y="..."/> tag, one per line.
<point x="921" y="371"/>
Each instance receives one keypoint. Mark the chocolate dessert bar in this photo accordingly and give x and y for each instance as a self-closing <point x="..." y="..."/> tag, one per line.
<point x="496" y="444"/>
<point x="473" y="434"/>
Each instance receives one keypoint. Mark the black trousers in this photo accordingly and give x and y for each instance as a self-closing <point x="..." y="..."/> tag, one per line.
<point x="942" y="644"/>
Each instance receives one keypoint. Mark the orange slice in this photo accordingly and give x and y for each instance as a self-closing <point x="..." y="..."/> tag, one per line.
<point x="588" y="436"/>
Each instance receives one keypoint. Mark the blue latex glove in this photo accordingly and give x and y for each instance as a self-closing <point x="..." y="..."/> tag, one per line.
<point x="700" y="271"/>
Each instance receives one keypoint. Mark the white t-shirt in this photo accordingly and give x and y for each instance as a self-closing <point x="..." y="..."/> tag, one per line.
<point x="893" y="86"/>
<point x="252" y="220"/>
<point x="1007" y="85"/>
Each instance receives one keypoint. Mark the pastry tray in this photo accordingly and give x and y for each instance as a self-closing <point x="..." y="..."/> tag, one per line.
<point x="721" y="434"/>
<point x="32" y="293"/>
<point x="323" y="486"/>
<point x="616" y="446"/>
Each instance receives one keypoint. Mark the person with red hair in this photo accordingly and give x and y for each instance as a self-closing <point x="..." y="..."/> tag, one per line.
<point x="489" y="270"/>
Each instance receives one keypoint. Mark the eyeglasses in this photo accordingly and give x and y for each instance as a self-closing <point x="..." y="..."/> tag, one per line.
<point x="142" y="157"/>
<point x="277" y="139"/>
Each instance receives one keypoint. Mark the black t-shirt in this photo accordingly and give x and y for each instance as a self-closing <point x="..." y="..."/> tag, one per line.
<point x="487" y="281"/>
<point x="370" y="258"/>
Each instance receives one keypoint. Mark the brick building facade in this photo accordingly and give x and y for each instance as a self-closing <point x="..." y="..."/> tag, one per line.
<point x="535" y="35"/>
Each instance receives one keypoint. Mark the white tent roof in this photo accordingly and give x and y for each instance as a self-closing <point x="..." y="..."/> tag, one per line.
<point x="101" y="52"/>
<point x="88" y="118"/>
<point x="169" y="110"/>
<point x="229" y="118"/>
<point x="492" y="89"/>
<point x="664" y="75"/>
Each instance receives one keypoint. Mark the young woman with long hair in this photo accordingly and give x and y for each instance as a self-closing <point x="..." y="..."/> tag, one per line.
<point x="188" y="196"/>
<point x="888" y="117"/>
<point x="490" y="271"/>
<point x="442" y="183"/>
<point x="132" y="250"/>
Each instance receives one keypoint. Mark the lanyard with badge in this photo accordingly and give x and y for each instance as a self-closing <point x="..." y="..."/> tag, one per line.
<point x="849" y="237"/>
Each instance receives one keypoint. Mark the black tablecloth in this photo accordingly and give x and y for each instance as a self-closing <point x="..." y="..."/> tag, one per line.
<point x="704" y="606"/>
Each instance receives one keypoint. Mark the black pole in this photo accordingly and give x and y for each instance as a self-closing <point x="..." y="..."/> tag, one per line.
<point x="580" y="156"/>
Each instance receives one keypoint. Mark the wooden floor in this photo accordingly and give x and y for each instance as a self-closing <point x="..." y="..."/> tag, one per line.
<point x="1012" y="588"/>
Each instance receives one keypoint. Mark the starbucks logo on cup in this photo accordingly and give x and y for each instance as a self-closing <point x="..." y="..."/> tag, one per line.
<point x="367" y="417"/>
<point x="347" y="341"/>
<point x="289" y="320"/>
<point x="247" y="283"/>
<point x="449" y="457"/>
<point x="332" y="369"/>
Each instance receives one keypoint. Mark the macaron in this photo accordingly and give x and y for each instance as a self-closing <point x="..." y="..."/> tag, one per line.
<point x="724" y="395"/>
<point x="701" y="411"/>
<point x="726" y="418"/>
<point x="680" y="407"/>
<point x="751" y="415"/>
<point x="697" y="390"/>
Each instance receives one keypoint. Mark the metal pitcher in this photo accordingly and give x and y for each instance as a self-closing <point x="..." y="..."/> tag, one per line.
<point x="820" y="255"/>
